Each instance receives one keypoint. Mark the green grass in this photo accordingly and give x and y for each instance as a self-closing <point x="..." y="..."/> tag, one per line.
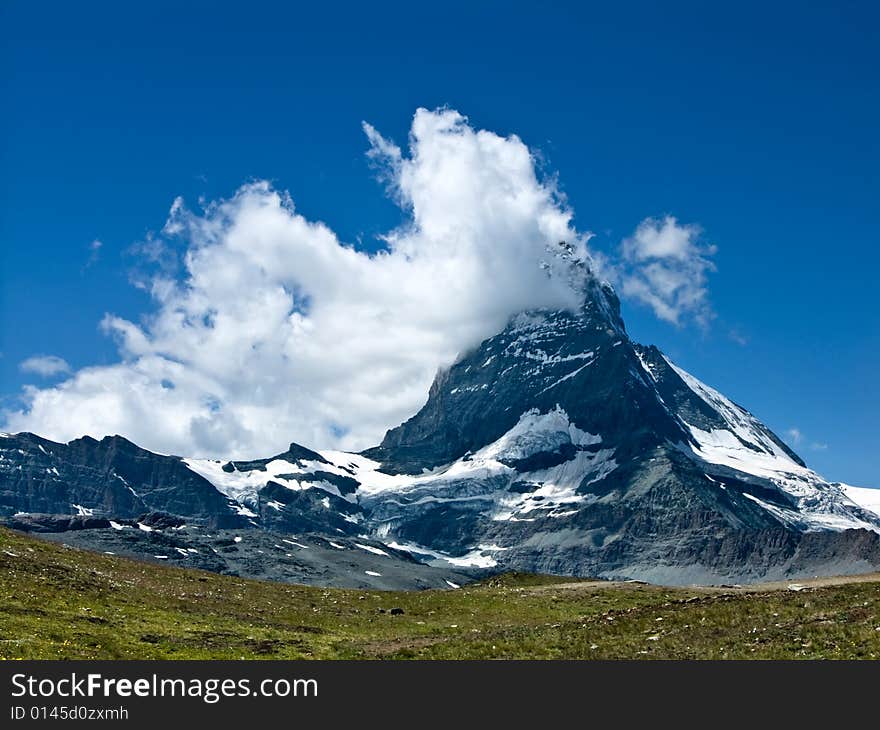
<point x="60" y="603"/>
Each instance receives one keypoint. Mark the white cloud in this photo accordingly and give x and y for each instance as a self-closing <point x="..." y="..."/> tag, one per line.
<point x="94" y="252"/>
<point x="738" y="337"/>
<point x="796" y="437"/>
<point x="44" y="365"/>
<point x="275" y="331"/>
<point x="665" y="266"/>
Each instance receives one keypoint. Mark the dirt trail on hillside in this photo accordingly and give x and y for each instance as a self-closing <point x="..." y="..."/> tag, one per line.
<point x="786" y="585"/>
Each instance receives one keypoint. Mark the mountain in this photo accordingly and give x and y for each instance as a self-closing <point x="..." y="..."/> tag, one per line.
<point x="561" y="446"/>
<point x="557" y="445"/>
<point x="112" y="476"/>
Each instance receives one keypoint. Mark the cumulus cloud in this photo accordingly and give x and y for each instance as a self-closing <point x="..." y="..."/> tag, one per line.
<point x="44" y="365"/>
<point x="273" y="330"/>
<point x="664" y="265"/>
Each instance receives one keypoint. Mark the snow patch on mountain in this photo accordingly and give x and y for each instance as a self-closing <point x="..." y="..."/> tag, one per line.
<point x="747" y="447"/>
<point x="479" y="557"/>
<point x="648" y="367"/>
<point x="496" y="481"/>
<point x="723" y="447"/>
<point x="364" y="470"/>
<point x="865" y="497"/>
<point x="536" y="433"/>
<point x="556" y="488"/>
<point x="748" y="432"/>
<point x="243" y="486"/>
<point x="371" y="549"/>
<point x="815" y="520"/>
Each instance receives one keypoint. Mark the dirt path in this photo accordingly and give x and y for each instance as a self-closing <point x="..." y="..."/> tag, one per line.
<point x="796" y="584"/>
<point x="834" y="580"/>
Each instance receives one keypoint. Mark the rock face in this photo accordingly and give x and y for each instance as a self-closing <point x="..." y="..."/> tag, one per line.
<point x="108" y="477"/>
<point x="579" y="361"/>
<point x="558" y="446"/>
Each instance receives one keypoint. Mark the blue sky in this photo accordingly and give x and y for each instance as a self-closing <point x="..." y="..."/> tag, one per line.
<point x="758" y="122"/>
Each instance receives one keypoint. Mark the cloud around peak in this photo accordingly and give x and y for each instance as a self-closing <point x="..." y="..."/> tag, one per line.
<point x="274" y="330"/>
<point x="266" y="328"/>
